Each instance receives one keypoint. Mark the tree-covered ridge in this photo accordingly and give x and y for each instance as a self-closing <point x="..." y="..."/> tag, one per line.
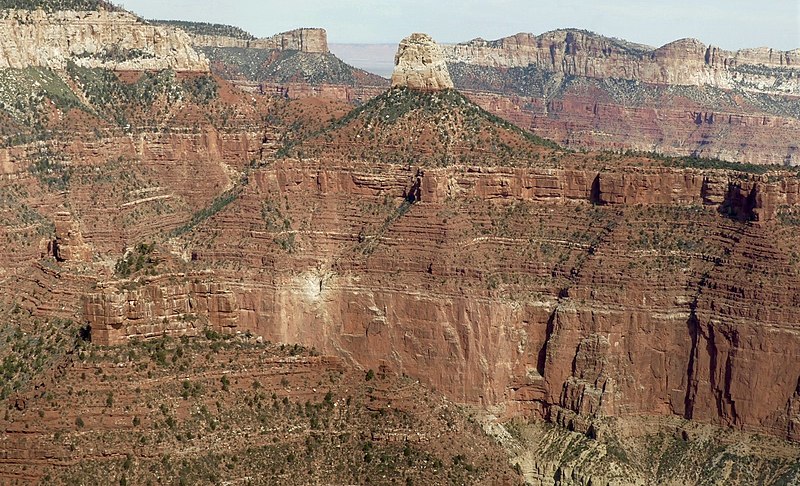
<point x="56" y="5"/>
<point x="29" y="96"/>
<point x="203" y="28"/>
<point x="425" y="129"/>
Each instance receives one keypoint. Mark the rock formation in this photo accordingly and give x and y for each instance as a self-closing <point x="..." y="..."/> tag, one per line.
<point x="297" y="61"/>
<point x="68" y="244"/>
<point x="686" y="62"/>
<point x="572" y="287"/>
<point x="587" y="91"/>
<point x="115" y="40"/>
<point x="161" y="306"/>
<point x="419" y="65"/>
<point x="304" y="40"/>
<point x="597" y="114"/>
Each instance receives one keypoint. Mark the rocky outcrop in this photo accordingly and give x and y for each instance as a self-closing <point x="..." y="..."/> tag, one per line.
<point x="68" y="244"/>
<point x="686" y="62"/>
<point x="174" y="304"/>
<point x="115" y="40"/>
<point x="300" y="56"/>
<point x="309" y="40"/>
<point x="304" y="40"/>
<point x="419" y="65"/>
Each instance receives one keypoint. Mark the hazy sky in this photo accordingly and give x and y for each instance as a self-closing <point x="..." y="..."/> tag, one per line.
<point x="731" y="24"/>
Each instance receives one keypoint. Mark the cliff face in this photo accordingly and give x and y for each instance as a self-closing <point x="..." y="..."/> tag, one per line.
<point x="115" y="40"/>
<point x="684" y="62"/>
<point x="299" y="56"/>
<point x="606" y="115"/>
<point x="586" y="91"/>
<point x="160" y="307"/>
<point x="574" y="287"/>
<point x="573" y="294"/>
<point x="304" y="40"/>
<point x="418" y="234"/>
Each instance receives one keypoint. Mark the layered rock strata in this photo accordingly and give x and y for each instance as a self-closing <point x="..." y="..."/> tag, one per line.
<point x="587" y="115"/>
<point x="310" y="40"/>
<point x="82" y="430"/>
<point x="572" y="287"/>
<point x="68" y="244"/>
<point x="115" y="40"/>
<point x="686" y="62"/>
<point x="172" y="304"/>
<point x="558" y="292"/>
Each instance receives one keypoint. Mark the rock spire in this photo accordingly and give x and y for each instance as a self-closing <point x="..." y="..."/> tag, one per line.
<point x="419" y="64"/>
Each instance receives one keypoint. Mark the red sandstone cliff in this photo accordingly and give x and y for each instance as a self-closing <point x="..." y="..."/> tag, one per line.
<point x="591" y="92"/>
<point x="587" y="328"/>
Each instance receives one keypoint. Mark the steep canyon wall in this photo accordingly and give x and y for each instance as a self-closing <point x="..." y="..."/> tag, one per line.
<point x="686" y="62"/>
<point x="570" y="293"/>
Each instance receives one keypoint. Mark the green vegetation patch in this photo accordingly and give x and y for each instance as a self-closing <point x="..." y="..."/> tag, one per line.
<point x="442" y="128"/>
<point x="284" y="66"/>
<point x="711" y="163"/>
<point x="51" y="170"/>
<point x="140" y="259"/>
<point x="104" y="89"/>
<point x="25" y="98"/>
<point x="396" y="103"/>
<point x="56" y="5"/>
<point x="218" y="204"/>
<point x="204" y="28"/>
<point x="201" y="89"/>
<point x="24" y="356"/>
<point x="116" y="100"/>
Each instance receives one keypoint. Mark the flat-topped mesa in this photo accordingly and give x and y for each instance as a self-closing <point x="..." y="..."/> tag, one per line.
<point x="94" y="38"/>
<point x="311" y="40"/>
<point x="419" y="64"/>
<point x="304" y="40"/>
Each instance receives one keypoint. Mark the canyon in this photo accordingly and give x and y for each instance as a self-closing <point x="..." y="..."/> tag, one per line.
<point x="262" y="281"/>
<point x="583" y="90"/>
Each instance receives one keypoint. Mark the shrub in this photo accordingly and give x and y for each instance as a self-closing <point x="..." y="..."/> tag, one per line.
<point x="56" y="5"/>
